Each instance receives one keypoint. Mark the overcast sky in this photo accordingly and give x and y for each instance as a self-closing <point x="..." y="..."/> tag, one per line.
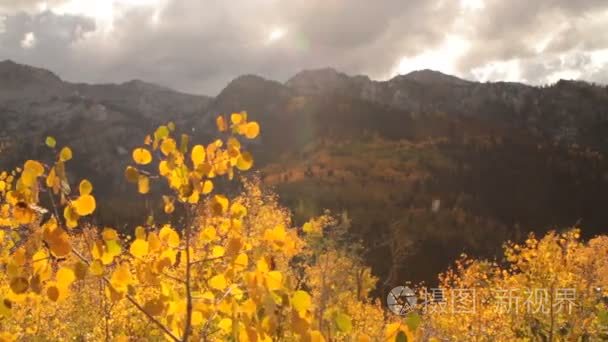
<point x="198" y="46"/>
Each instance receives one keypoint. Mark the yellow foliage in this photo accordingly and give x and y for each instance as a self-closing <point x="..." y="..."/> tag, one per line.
<point x="224" y="271"/>
<point x="142" y="156"/>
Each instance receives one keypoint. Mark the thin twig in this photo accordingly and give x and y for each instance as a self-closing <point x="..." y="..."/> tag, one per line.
<point x="188" y="327"/>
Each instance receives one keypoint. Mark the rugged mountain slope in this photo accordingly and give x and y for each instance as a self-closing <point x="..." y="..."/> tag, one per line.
<point x="107" y="119"/>
<point x="423" y="166"/>
<point x="500" y="159"/>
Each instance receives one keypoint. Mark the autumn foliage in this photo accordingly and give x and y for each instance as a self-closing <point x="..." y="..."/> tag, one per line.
<point x="236" y="269"/>
<point x="230" y="269"/>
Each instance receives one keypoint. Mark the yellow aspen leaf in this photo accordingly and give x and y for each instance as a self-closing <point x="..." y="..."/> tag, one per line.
<point x="69" y="213"/>
<point x="140" y="233"/>
<point x="217" y="251"/>
<point x="139" y="248"/>
<point x="19" y="257"/>
<point x="163" y="168"/>
<point x="222" y="126"/>
<point x="218" y="282"/>
<point x="36" y="283"/>
<point x="161" y="133"/>
<point x="33" y="167"/>
<point x="19" y="285"/>
<point x="262" y="266"/>
<point x="168" y="146"/>
<point x="244" y="161"/>
<point x="198" y="155"/>
<point x="113" y="248"/>
<point x="236" y="118"/>
<point x="85" y="205"/>
<point x="154" y="307"/>
<point x="277" y="234"/>
<point x="316" y="336"/>
<point x="23" y="214"/>
<point x="65" y="154"/>
<point x="40" y="261"/>
<point x="249" y="307"/>
<point x="113" y="293"/>
<point x="65" y="277"/>
<point x="58" y="241"/>
<point x="51" y="179"/>
<point x="61" y="248"/>
<point x="207" y="187"/>
<point x="2" y="185"/>
<point x="274" y="280"/>
<point x="208" y="234"/>
<point x="311" y="227"/>
<point x="53" y="293"/>
<point x="301" y="301"/>
<point x="194" y="197"/>
<point x="252" y="130"/>
<point x="171" y="126"/>
<point x="237" y="210"/>
<point x="344" y="323"/>
<point x="142" y="156"/>
<point x="241" y="261"/>
<point x="131" y="174"/>
<point x="225" y="325"/>
<point x="183" y="144"/>
<point x="169" y="204"/>
<point x="50" y="142"/>
<point x="300" y="325"/>
<point x="28" y="178"/>
<point x="169" y="236"/>
<point x="219" y="205"/>
<point x="197" y="318"/>
<point x="234" y="245"/>
<point x="109" y="234"/>
<point x="154" y="242"/>
<point x="85" y="187"/>
<point x="12" y="198"/>
<point x="366" y="338"/>
<point x="392" y="330"/>
<point x="143" y="184"/>
<point x="121" y="276"/>
<point x="233" y="143"/>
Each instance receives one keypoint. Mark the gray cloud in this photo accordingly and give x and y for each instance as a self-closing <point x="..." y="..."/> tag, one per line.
<point x="52" y="38"/>
<point x="199" y="46"/>
<point x="517" y="29"/>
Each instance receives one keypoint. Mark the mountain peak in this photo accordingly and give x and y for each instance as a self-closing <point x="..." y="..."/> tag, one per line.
<point x="249" y="82"/>
<point x="315" y="81"/>
<point x="318" y="75"/>
<point x="428" y="76"/>
<point x="144" y="86"/>
<point x="7" y="62"/>
<point x="15" y="74"/>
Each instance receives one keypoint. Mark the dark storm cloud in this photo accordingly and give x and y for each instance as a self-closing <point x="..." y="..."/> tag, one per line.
<point x="537" y="34"/>
<point x="52" y="37"/>
<point x="199" y="46"/>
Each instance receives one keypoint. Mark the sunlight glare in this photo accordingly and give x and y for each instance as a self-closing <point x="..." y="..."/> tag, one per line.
<point x="441" y="59"/>
<point x="104" y="12"/>
<point x="29" y="40"/>
<point x="276" y="34"/>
